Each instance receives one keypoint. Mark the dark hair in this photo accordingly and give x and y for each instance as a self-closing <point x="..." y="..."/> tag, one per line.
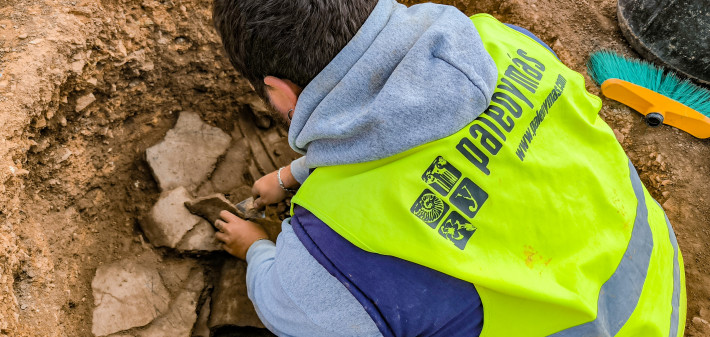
<point x="289" y="39"/>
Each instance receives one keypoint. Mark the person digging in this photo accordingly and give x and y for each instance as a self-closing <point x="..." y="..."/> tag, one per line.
<point x="457" y="181"/>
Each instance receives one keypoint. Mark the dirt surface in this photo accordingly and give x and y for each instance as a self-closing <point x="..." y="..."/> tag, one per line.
<point x="87" y="85"/>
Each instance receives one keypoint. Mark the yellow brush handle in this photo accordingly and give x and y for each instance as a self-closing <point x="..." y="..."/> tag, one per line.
<point x="648" y="102"/>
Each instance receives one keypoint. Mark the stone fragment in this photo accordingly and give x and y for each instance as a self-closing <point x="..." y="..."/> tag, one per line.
<point x="200" y="238"/>
<point x="169" y="220"/>
<point x="231" y="170"/>
<point x="188" y="154"/>
<point x="182" y="315"/>
<point x="699" y="321"/>
<point x="84" y="101"/>
<point x="127" y="294"/>
<point x="210" y="206"/>
<point x="230" y="304"/>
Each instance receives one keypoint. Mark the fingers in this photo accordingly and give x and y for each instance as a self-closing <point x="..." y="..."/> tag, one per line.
<point x="255" y="190"/>
<point x="221" y="237"/>
<point x="219" y="224"/>
<point x="229" y="217"/>
<point x="258" y="203"/>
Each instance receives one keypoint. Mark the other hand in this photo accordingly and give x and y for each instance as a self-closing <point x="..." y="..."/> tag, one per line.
<point x="237" y="235"/>
<point x="267" y="191"/>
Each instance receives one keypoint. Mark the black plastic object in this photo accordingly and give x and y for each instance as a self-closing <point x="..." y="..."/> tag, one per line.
<point x="674" y="33"/>
<point x="654" y="119"/>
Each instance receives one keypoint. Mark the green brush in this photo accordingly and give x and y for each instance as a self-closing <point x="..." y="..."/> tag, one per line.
<point x="658" y="94"/>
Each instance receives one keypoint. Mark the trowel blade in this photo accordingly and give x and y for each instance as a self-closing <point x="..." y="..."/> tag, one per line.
<point x="246" y="207"/>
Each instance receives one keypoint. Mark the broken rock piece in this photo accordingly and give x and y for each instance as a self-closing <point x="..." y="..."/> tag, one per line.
<point x="169" y="220"/>
<point x="188" y="154"/>
<point x="200" y="239"/>
<point x="209" y="207"/>
<point x="182" y="315"/>
<point x="127" y="294"/>
<point x="231" y="170"/>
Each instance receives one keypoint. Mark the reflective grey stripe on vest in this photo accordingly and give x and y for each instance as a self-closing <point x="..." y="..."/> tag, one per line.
<point x="620" y="294"/>
<point x="675" y="303"/>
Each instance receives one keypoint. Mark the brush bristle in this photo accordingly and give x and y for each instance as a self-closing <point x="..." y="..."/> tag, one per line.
<point x="604" y="65"/>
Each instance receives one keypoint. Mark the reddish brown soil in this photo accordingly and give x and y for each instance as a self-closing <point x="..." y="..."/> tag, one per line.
<point x="74" y="184"/>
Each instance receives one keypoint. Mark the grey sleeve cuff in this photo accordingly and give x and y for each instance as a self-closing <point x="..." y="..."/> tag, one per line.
<point x="261" y="250"/>
<point x="299" y="170"/>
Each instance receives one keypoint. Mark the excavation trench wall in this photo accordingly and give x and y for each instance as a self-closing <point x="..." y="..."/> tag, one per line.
<point x="86" y="87"/>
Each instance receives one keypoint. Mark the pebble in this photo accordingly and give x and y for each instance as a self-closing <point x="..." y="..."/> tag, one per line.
<point x="84" y="101"/>
<point x="699" y="321"/>
<point x="22" y="36"/>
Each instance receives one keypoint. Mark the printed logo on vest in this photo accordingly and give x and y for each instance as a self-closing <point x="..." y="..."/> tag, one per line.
<point x="457" y="229"/>
<point x="468" y="198"/>
<point x="441" y="176"/>
<point x="429" y="208"/>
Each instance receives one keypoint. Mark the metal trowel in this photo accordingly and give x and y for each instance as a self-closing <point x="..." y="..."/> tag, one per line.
<point x="248" y="211"/>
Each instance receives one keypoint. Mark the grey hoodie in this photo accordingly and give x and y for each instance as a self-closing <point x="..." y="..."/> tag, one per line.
<point x="408" y="77"/>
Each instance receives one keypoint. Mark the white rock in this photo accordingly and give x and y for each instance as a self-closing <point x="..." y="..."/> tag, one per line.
<point x="127" y="294"/>
<point x="188" y="154"/>
<point x="84" y="101"/>
<point x="169" y="220"/>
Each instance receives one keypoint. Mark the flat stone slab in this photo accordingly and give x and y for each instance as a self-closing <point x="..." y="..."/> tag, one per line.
<point x="188" y="154"/>
<point x="182" y="315"/>
<point x="231" y="172"/>
<point x="127" y="294"/>
<point x="169" y="220"/>
<point x="200" y="239"/>
<point x="185" y="282"/>
<point x="230" y="305"/>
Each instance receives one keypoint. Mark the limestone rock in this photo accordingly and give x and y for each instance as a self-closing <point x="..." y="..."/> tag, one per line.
<point x="169" y="220"/>
<point x="230" y="304"/>
<point x="231" y="170"/>
<point x="84" y="101"/>
<point x="127" y="294"/>
<point x="188" y="154"/>
<point x="185" y="282"/>
<point x="200" y="238"/>
<point x="181" y="317"/>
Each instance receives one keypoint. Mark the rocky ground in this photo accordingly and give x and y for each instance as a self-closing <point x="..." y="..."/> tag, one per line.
<point x="88" y="86"/>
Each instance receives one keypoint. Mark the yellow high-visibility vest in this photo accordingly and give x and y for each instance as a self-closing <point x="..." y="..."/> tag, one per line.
<point x="534" y="202"/>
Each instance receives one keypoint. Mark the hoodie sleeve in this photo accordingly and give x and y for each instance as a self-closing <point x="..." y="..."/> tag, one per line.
<point x="299" y="170"/>
<point x="295" y="296"/>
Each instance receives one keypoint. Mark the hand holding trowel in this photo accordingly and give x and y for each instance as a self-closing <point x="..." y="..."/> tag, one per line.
<point x="236" y="234"/>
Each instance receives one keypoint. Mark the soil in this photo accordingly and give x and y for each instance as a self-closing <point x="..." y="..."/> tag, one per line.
<point x="87" y="85"/>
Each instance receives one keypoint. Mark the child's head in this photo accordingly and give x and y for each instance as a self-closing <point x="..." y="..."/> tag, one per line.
<point x="288" y="39"/>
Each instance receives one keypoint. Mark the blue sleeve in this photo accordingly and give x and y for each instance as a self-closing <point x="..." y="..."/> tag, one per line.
<point x="295" y="296"/>
<point x="532" y="36"/>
